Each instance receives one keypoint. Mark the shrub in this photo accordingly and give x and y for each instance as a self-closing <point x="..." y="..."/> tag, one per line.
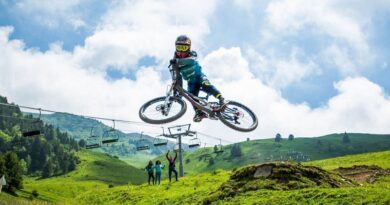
<point x="35" y="193"/>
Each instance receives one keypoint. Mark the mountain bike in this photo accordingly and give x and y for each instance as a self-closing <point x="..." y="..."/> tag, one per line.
<point x="171" y="107"/>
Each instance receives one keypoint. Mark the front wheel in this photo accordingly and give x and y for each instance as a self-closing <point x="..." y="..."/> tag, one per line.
<point x="239" y="117"/>
<point x="157" y="111"/>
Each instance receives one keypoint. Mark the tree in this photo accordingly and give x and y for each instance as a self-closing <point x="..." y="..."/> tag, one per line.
<point x="235" y="151"/>
<point x="215" y="148"/>
<point x="346" y="139"/>
<point x="48" y="169"/>
<point x="14" y="171"/>
<point x="82" y="143"/>
<point x="278" y="137"/>
<point x="291" y="137"/>
<point x="211" y="161"/>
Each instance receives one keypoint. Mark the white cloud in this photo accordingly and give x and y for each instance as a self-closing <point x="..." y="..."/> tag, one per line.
<point x="346" y="28"/>
<point x="355" y="108"/>
<point x="75" y="81"/>
<point x="54" y="81"/>
<point x="134" y="29"/>
<point x="280" y="72"/>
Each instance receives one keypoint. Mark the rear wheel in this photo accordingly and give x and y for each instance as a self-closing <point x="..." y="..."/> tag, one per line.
<point x="157" y="112"/>
<point x="239" y="117"/>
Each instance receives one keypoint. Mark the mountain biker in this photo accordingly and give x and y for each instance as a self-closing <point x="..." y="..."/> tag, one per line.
<point x="171" y="165"/>
<point x="149" y="169"/>
<point x="186" y="65"/>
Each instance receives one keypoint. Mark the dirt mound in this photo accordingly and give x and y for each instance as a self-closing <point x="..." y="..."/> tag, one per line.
<point x="363" y="173"/>
<point x="277" y="176"/>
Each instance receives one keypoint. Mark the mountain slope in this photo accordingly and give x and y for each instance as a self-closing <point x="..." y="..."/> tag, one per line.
<point x="83" y="128"/>
<point x="96" y="171"/>
<point x="381" y="159"/>
<point x="265" y="150"/>
<point x="197" y="189"/>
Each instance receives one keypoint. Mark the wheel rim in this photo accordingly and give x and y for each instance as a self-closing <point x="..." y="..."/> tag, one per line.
<point x="239" y="116"/>
<point x="157" y="111"/>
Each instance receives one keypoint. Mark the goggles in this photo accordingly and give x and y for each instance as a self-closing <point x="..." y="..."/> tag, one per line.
<point x="182" y="48"/>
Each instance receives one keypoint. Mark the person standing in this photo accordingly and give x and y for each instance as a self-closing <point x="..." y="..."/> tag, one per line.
<point x="172" y="167"/>
<point x="158" y="167"/>
<point x="149" y="169"/>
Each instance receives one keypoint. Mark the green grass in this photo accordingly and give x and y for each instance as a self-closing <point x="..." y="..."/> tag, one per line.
<point x="78" y="188"/>
<point x="96" y="171"/>
<point x="195" y="189"/>
<point x="381" y="159"/>
<point x="187" y="190"/>
<point x="138" y="160"/>
<point x="265" y="150"/>
<point x="372" y="194"/>
<point x="102" y="167"/>
<point x="6" y="199"/>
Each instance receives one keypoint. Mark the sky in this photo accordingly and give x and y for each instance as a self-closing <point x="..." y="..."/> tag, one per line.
<point x="305" y="68"/>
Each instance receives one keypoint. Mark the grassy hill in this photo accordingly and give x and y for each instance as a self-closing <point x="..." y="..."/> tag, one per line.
<point x="96" y="171"/>
<point x="266" y="150"/>
<point x="197" y="189"/>
<point x="381" y="159"/>
<point x="202" y="189"/>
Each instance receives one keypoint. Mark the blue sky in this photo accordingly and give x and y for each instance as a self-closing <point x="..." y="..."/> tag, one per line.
<point x="301" y="51"/>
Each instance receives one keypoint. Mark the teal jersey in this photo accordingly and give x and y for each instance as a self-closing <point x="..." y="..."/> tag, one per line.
<point x="189" y="68"/>
<point x="159" y="168"/>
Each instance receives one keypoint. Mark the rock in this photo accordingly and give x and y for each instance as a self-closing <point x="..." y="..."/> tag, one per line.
<point x="263" y="171"/>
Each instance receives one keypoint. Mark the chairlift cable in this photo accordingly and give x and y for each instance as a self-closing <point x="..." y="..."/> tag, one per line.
<point x="213" y="137"/>
<point x="86" y="116"/>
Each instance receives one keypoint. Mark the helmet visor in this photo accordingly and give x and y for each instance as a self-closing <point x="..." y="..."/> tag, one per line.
<point x="182" y="48"/>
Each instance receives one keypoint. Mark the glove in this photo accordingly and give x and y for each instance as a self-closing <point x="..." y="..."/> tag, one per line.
<point x="173" y="61"/>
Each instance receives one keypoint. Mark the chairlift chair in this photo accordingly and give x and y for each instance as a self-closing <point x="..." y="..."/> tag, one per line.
<point x="219" y="148"/>
<point x="142" y="144"/>
<point x="194" y="142"/>
<point x="159" y="141"/>
<point x="113" y="133"/>
<point x="93" y="140"/>
<point x="37" y="127"/>
<point x="92" y="146"/>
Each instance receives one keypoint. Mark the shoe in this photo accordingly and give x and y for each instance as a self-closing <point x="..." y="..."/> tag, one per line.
<point x="222" y="101"/>
<point x="199" y="116"/>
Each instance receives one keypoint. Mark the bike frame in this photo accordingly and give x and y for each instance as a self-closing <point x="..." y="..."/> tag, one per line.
<point x="198" y="102"/>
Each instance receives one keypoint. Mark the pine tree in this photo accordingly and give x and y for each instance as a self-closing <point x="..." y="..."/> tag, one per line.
<point x="235" y="151"/>
<point x="48" y="169"/>
<point x="346" y="139"/>
<point x="291" y="137"/>
<point x="278" y="138"/>
<point x="211" y="161"/>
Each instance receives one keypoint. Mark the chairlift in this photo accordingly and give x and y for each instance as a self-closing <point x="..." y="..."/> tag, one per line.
<point x="113" y="133"/>
<point x="159" y="141"/>
<point x="191" y="133"/>
<point x="36" y="127"/>
<point x="219" y="148"/>
<point x="93" y="141"/>
<point x="142" y="144"/>
<point x="92" y="146"/>
<point x="194" y="142"/>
